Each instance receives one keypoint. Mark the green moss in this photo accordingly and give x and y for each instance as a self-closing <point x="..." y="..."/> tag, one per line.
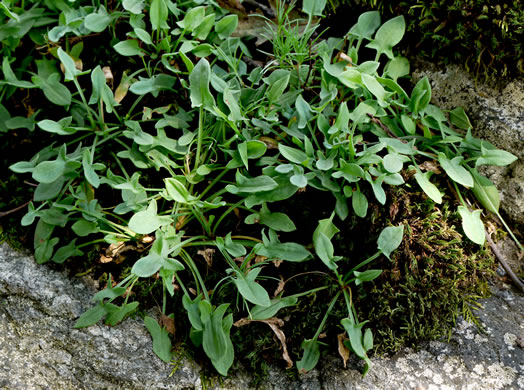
<point x="434" y="277"/>
<point x="485" y="36"/>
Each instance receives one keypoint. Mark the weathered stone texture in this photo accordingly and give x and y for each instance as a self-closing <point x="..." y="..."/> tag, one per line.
<point x="39" y="349"/>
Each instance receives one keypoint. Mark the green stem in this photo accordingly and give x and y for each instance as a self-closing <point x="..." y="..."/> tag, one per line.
<point x="194" y="269"/>
<point x="328" y="311"/>
<point x="200" y="136"/>
<point x="84" y="101"/>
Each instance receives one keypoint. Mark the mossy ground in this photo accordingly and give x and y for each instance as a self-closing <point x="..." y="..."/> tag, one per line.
<point x="485" y="37"/>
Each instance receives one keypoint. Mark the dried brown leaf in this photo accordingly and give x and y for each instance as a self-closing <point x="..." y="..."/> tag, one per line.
<point x="343" y="351"/>
<point x="148" y="239"/>
<point x="123" y="87"/>
<point x="259" y="259"/>
<point x="280" y="287"/>
<point x="108" y="74"/>
<point x="430" y="165"/>
<point x="168" y="323"/>
<point x="277" y="263"/>
<point x="105" y="259"/>
<point x="180" y="222"/>
<point x="275" y="324"/>
<point x="208" y="255"/>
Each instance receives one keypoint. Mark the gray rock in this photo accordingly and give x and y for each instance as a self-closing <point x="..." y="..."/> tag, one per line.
<point x="497" y="115"/>
<point x="39" y="349"/>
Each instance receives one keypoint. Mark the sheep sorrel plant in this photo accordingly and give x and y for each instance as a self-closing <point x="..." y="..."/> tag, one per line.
<point x="181" y="142"/>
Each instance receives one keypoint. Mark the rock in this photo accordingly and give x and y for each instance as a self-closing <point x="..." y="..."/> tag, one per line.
<point x="497" y="115"/>
<point x="40" y="349"/>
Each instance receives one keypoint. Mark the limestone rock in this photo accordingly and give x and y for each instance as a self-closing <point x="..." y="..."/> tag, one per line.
<point x="39" y="349"/>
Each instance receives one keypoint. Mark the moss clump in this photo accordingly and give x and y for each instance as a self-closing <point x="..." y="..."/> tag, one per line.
<point x="433" y="277"/>
<point x="483" y="35"/>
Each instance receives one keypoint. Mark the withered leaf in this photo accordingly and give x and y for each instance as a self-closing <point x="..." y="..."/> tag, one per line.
<point x="108" y="74"/>
<point x="168" y="323"/>
<point x="343" y="351"/>
<point x="275" y="324"/>
<point x="280" y="287"/>
<point x="208" y="255"/>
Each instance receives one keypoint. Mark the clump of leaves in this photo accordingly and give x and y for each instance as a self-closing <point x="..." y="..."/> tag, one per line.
<point x="192" y="154"/>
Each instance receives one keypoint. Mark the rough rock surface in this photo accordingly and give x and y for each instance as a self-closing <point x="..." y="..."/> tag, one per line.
<point x="497" y="115"/>
<point x="39" y="349"/>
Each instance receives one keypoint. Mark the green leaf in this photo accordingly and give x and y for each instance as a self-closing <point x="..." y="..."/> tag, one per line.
<point x="144" y="36"/>
<point x="47" y="191"/>
<point x="390" y="239"/>
<point x="134" y="6"/>
<point x="225" y="26"/>
<point x="192" y="310"/>
<point x="304" y="111"/>
<point x="459" y="118"/>
<point x="496" y="157"/>
<point x="296" y="156"/>
<point x="397" y="67"/>
<point x="147" y="221"/>
<point x="204" y="28"/>
<point x="354" y="332"/>
<point x="420" y="96"/>
<point x="277" y="87"/>
<point x="276" y="221"/>
<point x="128" y="48"/>
<point x="8" y="12"/>
<point x="49" y="171"/>
<point x="485" y="192"/>
<point x="161" y="340"/>
<point x="428" y="187"/>
<point x="408" y="124"/>
<point x="69" y="65"/>
<point x="65" y="252"/>
<point x="199" y="85"/>
<point x="366" y="276"/>
<point x="97" y="22"/>
<point x="252" y="185"/>
<point x="472" y="225"/>
<point x="83" y="228"/>
<point x="178" y="192"/>
<point x="54" y="91"/>
<point x="251" y="290"/>
<point x="264" y="312"/>
<point x="359" y="203"/>
<point x="375" y="88"/>
<point x="147" y="265"/>
<point x="193" y="18"/>
<point x="392" y="162"/>
<point x="89" y="172"/>
<point x="10" y="77"/>
<point x="314" y="7"/>
<point x="388" y="35"/>
<point x="216" y="340"/>
<point x="367" y="24"/>
<point x="368" y="340"/>
<point x="158" y="14"/>
<point x="310" y="357"/>
<point x="455" y="171"/>
<point x="288" y="251"/>
<point x="324" y="250"/>
<point x="116" y="316"/>
<point x="60" y="127"/>
<point x="90" y="317"/>
<point x="231" y="101"/>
